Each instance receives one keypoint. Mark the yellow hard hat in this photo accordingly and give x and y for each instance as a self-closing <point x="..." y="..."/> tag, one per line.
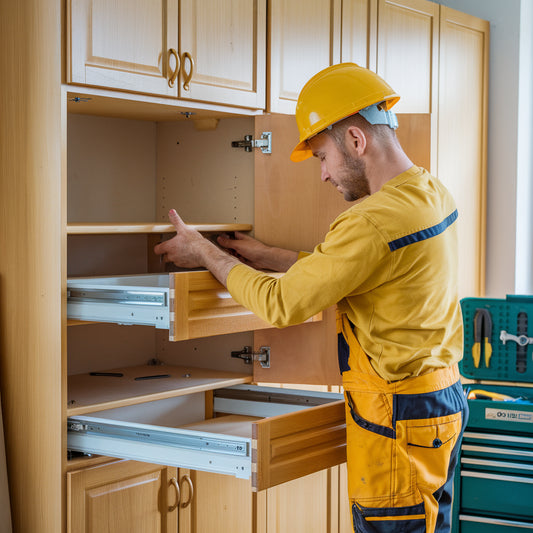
<point x="336" y="93"/>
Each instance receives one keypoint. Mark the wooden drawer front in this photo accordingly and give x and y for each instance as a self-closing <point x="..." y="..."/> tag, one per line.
<point x="203" y="307"/>
<point x="267" y="434"/>
<point x="291" y="446"/>
<point x="189" y="304"/>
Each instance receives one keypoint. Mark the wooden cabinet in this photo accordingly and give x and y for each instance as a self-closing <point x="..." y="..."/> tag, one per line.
<point x="304" y="39"/>
<point x="116" y="175"/>
<point x="122" y="497"/>
<point x="209" y="51"/>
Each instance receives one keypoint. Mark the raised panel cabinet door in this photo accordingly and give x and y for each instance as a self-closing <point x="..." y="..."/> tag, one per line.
<point x="122" y="497"/>
<point x="407" y="52"/>
<point x="304" y="39"/>
<point x="462" y="135"/>
<point x="223" y="51"/>
<point x="123" y="44"/>
<point x="217" y="503"/>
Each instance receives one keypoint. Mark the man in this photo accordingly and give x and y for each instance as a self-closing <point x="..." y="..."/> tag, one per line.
<point x="389" y="263"/>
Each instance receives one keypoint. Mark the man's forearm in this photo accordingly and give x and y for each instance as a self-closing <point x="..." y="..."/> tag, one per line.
<point x="218" y="262"/>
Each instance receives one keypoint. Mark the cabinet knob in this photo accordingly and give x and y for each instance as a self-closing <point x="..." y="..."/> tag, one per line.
<point x="187" y="76"/>
<point x="174" y="483"/>
<point x="188" y="480"/>
<point x="173" y="73"/>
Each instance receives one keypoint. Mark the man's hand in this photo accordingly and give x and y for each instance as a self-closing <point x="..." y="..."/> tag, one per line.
<point x="189" y="249"/>
<point x="258" y="255"/>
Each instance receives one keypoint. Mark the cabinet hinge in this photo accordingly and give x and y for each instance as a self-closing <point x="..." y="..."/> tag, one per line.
<point x="249" y="356"/>
<point x="265" y="143"/>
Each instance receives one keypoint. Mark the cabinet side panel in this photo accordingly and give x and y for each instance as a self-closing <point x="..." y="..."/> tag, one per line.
<point x="31" y="260"/>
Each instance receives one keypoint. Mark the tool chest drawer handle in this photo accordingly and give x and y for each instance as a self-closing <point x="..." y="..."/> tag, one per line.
<point x="496" y="464"/>
<point x="505" y="439"/>
<point x="502" y="451"/>
<point x="495" y="521"/>
<point x="498" y="477"/>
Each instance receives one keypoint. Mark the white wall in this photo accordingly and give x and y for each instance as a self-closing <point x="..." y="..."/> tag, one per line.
<point x="524" y="240"/>
<point x="509" y="173"/>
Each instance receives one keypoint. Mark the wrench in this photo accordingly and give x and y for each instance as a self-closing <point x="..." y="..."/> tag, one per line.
<point x="521" y="340"/>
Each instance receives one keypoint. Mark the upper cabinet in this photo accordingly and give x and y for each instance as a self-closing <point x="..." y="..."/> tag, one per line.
<point x="209" y="51"/>
<point x="304" y="39"/>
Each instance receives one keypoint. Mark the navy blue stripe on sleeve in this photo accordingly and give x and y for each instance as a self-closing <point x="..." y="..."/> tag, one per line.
<point x="423" y="234"/>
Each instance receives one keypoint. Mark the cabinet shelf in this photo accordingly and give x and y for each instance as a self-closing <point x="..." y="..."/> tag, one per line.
<point x="90" y="393"/>
<point x="111" y="228"/>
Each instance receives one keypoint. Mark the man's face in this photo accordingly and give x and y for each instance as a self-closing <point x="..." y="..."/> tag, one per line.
<point x="343" y="170"/>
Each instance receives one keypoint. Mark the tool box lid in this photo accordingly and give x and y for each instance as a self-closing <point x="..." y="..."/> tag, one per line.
<point x="498" y="339"/>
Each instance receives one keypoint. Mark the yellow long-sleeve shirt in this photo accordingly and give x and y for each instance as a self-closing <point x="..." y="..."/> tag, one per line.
<point x="390" y="263"/>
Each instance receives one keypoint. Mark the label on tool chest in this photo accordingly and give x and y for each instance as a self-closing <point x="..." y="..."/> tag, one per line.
<point x="508" y="415"/>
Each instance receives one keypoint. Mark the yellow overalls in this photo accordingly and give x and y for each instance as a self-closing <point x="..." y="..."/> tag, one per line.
<point x="389" y="263"/>
<point x="403" y="440"/>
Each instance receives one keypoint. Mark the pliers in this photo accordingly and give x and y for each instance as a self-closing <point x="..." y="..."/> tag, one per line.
<point x="482" y="333"/>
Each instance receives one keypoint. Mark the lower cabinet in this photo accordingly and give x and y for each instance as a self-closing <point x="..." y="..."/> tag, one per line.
<point x="132" y="497"/>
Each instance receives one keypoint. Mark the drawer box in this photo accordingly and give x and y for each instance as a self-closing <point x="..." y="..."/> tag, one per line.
<point x="269" y="435"/>
<point x="189" y="304"/>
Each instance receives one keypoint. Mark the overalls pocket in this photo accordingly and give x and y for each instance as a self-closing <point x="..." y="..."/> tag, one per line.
<point x="430" y="444"/>
<point x="389" y="520"/>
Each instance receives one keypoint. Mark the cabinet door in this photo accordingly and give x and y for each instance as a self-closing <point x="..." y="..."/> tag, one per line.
<point x="407" y="52"/>
<point x="462" y="134"/>
<point x="302" y="505"/>
<point x="124" y="44"/>
<point x="359" y="25"/>
<point x="122" y="497"/>
<point x="216" y="503"/>
<point x="223" y="51"/>
<point x="304" y="39"/>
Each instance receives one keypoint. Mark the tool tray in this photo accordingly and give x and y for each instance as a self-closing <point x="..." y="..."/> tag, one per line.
<point x="511" y="361"/>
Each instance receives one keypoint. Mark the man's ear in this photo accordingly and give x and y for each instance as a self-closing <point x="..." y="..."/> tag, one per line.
<point x="356" y="140"/>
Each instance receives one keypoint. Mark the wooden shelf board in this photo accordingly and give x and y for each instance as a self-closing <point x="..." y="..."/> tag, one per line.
<point x="87" y="394"/>
<point x="103" y="228"/>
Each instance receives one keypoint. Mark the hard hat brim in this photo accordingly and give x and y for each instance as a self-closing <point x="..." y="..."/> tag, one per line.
<point x="301" y="152"/>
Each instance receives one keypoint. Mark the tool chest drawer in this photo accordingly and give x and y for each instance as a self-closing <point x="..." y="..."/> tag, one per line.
<point x="493" y="489"/>
<point x="269" y="435"/>
<point x="497" y="475"/>
<point x="189" y="304"/>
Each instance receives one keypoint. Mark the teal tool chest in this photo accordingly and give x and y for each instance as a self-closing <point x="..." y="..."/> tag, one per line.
<point x="493" y="491"/>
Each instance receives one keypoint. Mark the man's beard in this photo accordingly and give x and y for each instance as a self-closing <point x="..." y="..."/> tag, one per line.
<point x="352" y="176"/>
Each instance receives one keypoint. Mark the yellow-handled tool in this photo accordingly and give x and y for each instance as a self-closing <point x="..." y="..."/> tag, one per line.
<point x="482" y="334"/>
<point x="479" y="394"/>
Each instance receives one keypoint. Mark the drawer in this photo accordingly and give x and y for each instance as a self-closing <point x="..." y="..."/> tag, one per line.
<point x="189" y="304"/>
<point x="266" y="434"/>
<point x="491" y="491"/>
<point x="481" y="524"/>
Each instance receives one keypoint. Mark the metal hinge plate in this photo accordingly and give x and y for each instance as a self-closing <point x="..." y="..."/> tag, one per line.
<point x="249" y="356"/>
<point x="265" y="143"/>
